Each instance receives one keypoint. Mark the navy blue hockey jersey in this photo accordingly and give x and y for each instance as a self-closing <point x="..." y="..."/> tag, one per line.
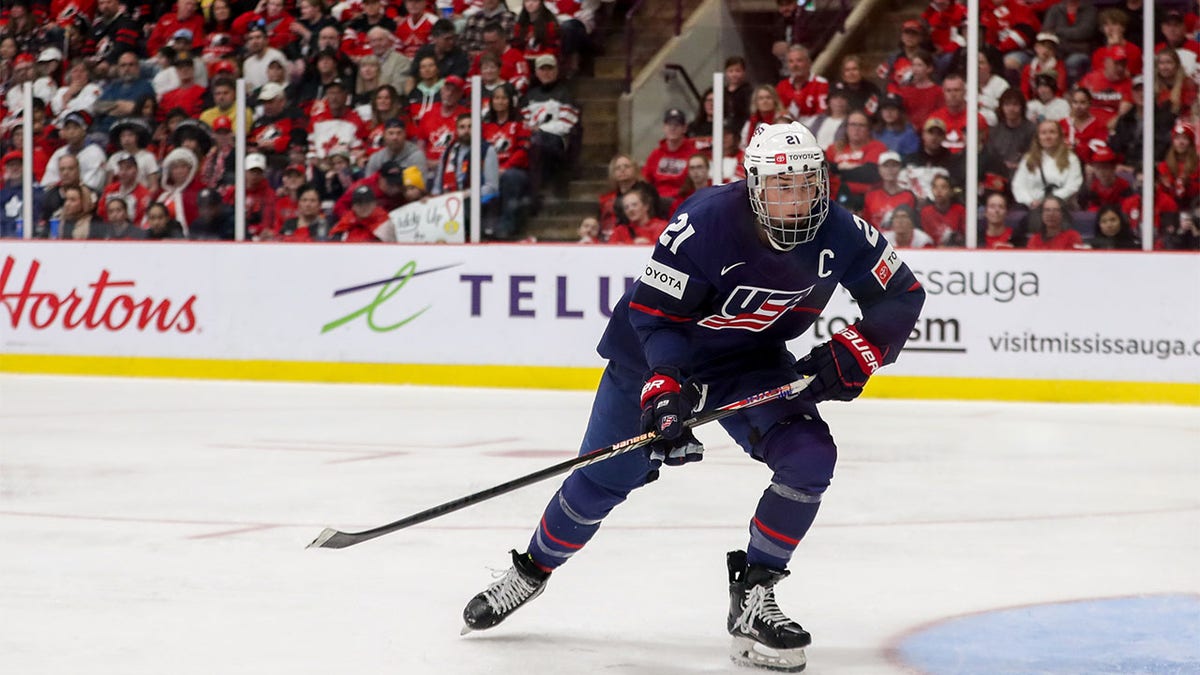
<point x="714" y="294"/>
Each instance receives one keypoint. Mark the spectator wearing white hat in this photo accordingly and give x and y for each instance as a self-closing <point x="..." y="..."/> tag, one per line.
<point x="279" y="127"/>
<point x="49" y="70"/>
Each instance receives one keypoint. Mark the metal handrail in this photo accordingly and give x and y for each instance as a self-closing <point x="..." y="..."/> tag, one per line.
<point x="687" y="79"/>
<point x="629" y="37"/>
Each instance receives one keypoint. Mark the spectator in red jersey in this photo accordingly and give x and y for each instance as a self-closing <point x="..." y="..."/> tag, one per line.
<point x="126" y="186"/>
<point x="1111" y="88"/>
<point x="387" y="186"/>
<point x="1075" y="23"/>
<point x="1113" y="24"/>
<point x="514" y="68"/>
<point x="1047" y="103"/>
<point x="1104" y="187"/>
<point x="643" y="227"/>
<point x="1179" y="172"/>
<point x="903" y="229"/>
<point x="414" y="30"/>
<point x="944" y="219"/>
<point x="861" y="93"/>
<point x="954" y="113"/>
<point x="803" y="94"/>
<point x="1081" y="129"/>
<point x="276" y="23"/>
<point x="921" y="96"/>
<point x="1055" y="233"/>
<point x="1165" y="209"/>
<point x="1175" y="37"/>
<point x="504" y="129"/>
<point x="1048" y="169"/>
<point x="996" y="231"/>
<point x="260" y="200"/>
<point x="536" y="31"/>
<point x="287" y="194"/>
<point x="767" y="109"/>
<point x="853" y="161"/>
<point x="1172" y="87"/>
<point x="1010" y="26"/>
<point x="1113" y="231"/>
<point x="947" y="21"/>
<point x="188" y="95"/>
<point x="359" y="222"/>
<point x="879" y="202"/>
<point x="436" y="128"/>
<point x="666" y="167"/>
<point x="185" y="17"/>
<point x="895" y="69"/>
<point x="623" y="177"/>
<point x="1045" y="61"/>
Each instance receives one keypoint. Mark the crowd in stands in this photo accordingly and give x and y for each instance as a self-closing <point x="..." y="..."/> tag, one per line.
<point x="354" y="108"/>
<point x="1060" y="121"/>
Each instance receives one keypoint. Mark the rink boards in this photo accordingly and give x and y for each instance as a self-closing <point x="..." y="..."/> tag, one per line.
<point x="1011" y="325"/>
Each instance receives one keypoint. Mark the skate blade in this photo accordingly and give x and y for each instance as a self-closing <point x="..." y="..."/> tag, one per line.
<point x="750" y="654"/>
<point x="466" y="629"/>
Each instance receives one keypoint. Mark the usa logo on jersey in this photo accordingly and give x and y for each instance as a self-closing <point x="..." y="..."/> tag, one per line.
<point x="754" y="309"/>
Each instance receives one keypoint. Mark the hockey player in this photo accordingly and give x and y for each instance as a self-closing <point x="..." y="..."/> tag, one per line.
<point x="741" y="269"/>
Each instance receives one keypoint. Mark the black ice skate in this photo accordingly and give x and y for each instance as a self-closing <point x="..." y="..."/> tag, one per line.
<point x="763" y="636"/>
<point x="522" y="582"/>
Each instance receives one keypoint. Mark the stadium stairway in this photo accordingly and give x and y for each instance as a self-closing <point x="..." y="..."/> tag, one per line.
<point x="597" y="95"/>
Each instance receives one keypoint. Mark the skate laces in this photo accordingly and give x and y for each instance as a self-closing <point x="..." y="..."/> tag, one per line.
<point x="760" y="602"/>
<point x="510" y="591"/>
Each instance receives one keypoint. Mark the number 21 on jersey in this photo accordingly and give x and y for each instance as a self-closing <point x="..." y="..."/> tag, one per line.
<point x="676" y="233"/>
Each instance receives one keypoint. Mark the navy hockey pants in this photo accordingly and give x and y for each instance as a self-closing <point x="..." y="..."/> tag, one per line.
<point x="788" y="436"/>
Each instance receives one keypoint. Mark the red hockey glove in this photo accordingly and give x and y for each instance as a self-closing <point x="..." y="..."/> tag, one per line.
<point x="666" y="404"/>
<point x="840" y="367"/>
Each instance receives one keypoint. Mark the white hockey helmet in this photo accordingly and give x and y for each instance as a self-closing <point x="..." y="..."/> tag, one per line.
<point x="789" y="183"/>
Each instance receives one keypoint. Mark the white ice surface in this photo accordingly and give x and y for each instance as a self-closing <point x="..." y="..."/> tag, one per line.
<point x="159" y="527"/>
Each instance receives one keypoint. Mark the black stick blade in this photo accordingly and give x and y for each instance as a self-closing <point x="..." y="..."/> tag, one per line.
<point x="331" y="538"/>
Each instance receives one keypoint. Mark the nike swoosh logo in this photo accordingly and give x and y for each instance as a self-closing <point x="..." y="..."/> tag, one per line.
<point x="726" y="269"/>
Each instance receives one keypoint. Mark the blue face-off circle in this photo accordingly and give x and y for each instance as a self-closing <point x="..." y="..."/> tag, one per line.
<point x="1157" y="635"/>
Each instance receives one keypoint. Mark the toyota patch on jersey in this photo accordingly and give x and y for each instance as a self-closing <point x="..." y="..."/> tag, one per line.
<point x="887" y="265"/>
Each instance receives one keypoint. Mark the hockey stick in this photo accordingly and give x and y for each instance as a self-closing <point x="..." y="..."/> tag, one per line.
<point x="331" y="538"/>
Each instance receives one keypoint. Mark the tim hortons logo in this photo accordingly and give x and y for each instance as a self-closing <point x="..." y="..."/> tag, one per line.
<point x="105" y="303"/>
